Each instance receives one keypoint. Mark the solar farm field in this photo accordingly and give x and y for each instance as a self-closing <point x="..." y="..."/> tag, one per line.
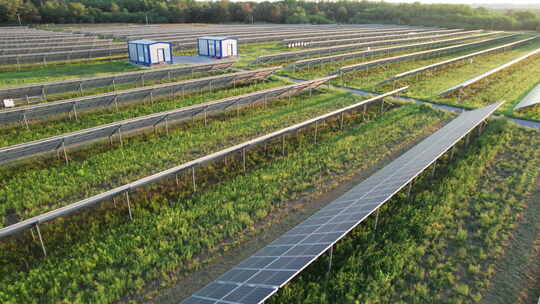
<point x="325" y="164"/>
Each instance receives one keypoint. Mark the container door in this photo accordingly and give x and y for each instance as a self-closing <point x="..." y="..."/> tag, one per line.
<point x="161" y="55"/>
<point x="211" y="48"/>
<point x="230" y="52"/>
<point x="218" y="48"/>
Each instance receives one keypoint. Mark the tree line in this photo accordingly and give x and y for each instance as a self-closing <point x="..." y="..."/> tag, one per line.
<point x="286" y="11"/>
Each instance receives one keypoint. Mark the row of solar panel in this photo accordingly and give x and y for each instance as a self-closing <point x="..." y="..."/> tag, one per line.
<point x="29" y="223"/>
<point x="350" y="40"/>
<point x="355" y="46"/>
<point x="46" y="48"/>
<point x="361" y="54"/>
<point x="261" y="275"/>
<point x="356" y="34"/>
<point x="55" y="87"/>
<point x="15" y="152"/>
<point x="437" y="65"/>
<point x="65" y="55"/>
<point x="424" y="54"/>
<point x="490" y="72"/>
<point x="48" y="109"/>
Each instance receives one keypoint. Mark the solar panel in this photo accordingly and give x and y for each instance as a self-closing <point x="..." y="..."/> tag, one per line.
<point x="47" y="109"/>
<point x="531" y="99"/>
<point x="27" y="149"/>
<point x="276" y="264"/>
<point x="90" y="201"/>
<point x="491" y="72"/>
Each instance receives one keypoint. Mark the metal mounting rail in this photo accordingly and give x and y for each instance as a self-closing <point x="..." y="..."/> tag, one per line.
<point x="489" y="73"/>
<point x="376" y="38"/>
<point x="354" y="46"/>
<point x="11" y="153"/>
<point x="434" y="52"/>
<point x="46" y="88"/>
<point x="125" y="189"/>
<point x="388" y="50"/>
<point x="40" y="111"/>
<point x="437" y="65"/>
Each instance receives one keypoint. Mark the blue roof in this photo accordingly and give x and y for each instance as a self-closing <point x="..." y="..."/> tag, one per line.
<point x="146" y="42"/>
<point x="215" y="38"/>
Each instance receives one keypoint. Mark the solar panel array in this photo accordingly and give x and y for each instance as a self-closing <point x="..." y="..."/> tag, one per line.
<point x="22" y="46"/>
<point x="39" y="111"/>
<point x="184" y="37"/>
<point x="421" y="54"/>
<point x="19" y="151"/>
<point x="355" y="46"/>
<point x="45" y="48"/>
<point x="437" y="65"/>
<point x="77" y="84"/>
<point x="359" y="34"/>
<point x="335" y="58"/>
<point x="489" y="73"/>
<point x="29" y="223"/>
<point x="255" y="279"/>
<point x="378" y="38"/>
<point x="531" y="99"/>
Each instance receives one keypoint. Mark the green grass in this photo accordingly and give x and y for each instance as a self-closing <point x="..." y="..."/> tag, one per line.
<point x="435" y="82"/>
<point x="124" y="86"/>
<point x="510" y="85"/>
<point x="15" y="133"/>
<point x="102" y="167"/>
<point x="327" y="68"/>
<point x="446" y="78"/>
<point x="62" y="72"/>
<point x="250" y="52"/>
<point x="441" y="244"/>
<point x="105" y="257"/>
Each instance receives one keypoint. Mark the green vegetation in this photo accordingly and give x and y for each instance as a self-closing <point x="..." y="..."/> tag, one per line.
<point x="328" y="68"/>
<point x="124" y="86"/>
<point x="446" y="78"/>
<point x="62" y="72"/>
<point x="510" y="85"/>
<point x="16" y="133"/>
<point x="440" y="245"/>
<point x="250" y="52"/>
<point x="111" y="256"/>
<point x="106" y="167"/>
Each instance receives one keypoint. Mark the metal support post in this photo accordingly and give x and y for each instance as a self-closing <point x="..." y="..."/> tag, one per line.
<point x="409" y="189"/>
<point x="433" y="169"/>
<point x="376" y="220"/>
<point x="341" y="121"/>
<point x="283" y="144"/>
<point x="41" y="240"/>
<point x="330" y="262"/>
<point x="244" y="158"/>
<point x="193" y="179"/>
<point x="316" y="127"/>
<point x="205" y="118"/>
<point x="65" y="152"/>
<point x="129" y="205"/>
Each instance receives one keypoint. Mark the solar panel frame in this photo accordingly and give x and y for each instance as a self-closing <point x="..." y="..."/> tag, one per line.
<point x="532" y="98"/>
<point x="414" y="161"/>
<point x="489" y="73"/>
<point x="90" y="201"/>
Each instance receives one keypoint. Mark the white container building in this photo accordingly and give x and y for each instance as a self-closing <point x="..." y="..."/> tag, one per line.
<point x="148" y="52"/>
<point x="218" y="47"/>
